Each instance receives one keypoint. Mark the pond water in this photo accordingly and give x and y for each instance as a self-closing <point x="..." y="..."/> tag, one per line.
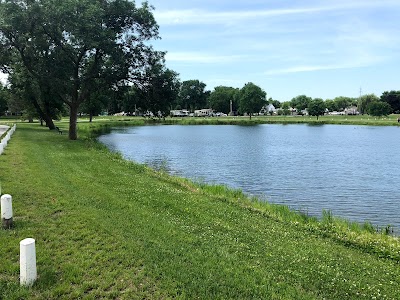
<point x="350" y="170"/>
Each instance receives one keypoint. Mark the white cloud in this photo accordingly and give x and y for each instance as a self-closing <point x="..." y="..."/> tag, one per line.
<point x="196" y="57"/>
<point x="201" y="16"/>
<point x="363" y="60"/>
<point x="234" y="42"/>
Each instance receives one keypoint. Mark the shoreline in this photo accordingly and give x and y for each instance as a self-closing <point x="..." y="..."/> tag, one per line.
<point x="109" y="228"/>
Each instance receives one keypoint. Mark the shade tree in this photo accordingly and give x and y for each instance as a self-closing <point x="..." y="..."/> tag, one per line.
<point x="33" y="97"/>
<point x="316" y="107"/>
<point x="378" y="108"/>
<point x="251" y="99"/>
<point x="365" y="100"/>
<point x="192" y="95"/>
<point x="300" y="102"/>
<point x="221" y="98"/>
<point x="161" y="89"/>
<point x="342" y="102"/>
<point x="393" y="98"/>
<point x="71" y="44"/>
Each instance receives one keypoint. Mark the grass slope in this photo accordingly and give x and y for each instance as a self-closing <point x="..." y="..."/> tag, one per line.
<point x="108" y="228"/>
<point x="391" y="120"/>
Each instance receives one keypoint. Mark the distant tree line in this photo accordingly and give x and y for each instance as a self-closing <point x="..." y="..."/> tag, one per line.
<point x="89" y="57"/>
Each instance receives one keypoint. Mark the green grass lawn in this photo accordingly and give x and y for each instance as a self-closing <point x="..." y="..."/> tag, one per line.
<point x="112" y="229"/>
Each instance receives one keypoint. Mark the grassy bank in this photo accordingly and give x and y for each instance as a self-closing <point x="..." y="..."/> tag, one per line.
<point x="108" y="228"/>
<point x="239" y="120"/>
<point x="339" y="120"/>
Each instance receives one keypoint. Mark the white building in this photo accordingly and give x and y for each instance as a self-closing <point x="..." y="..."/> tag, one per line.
<point x="179" y="113"/>
<point x="268" y="109"/>
<point x="205" y="112"/>
<point x="351" y="110"/>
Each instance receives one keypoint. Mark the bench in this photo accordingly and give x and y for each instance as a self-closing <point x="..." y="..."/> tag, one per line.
<point x="59" y="130"/>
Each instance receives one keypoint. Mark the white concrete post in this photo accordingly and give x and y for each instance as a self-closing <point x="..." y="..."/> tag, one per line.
<point x="6" y="211"/>
<point x="28" y="271"/>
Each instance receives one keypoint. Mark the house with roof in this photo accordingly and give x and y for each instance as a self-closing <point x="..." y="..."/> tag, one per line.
<point x="268" y="109"/>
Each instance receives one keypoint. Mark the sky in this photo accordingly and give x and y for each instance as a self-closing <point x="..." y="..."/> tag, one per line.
<point x="320" y="48"/>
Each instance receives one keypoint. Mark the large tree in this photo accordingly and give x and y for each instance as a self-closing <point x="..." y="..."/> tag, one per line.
<point x="300" y="102"/>
<point x="221" y="97"/>
<point x="316" y="107"/>
<point x="341" y="102"/>
<point x="393" y="98"/>
<point x="71" y="44"/>
<point x="331" y="105"/>
<point x="251" y="99"/>
<point x="378" y="108"/>
<point x="161" y="90"/>
<point x="193" y="95"/>
<point x="36" y="99"/>
<point x="364" y="101"/>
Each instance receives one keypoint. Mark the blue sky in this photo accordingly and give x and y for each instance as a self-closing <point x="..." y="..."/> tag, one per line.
<point x="321" y="48"/>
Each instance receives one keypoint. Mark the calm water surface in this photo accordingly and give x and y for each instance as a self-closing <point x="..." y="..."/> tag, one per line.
<point x="350" y="170"/>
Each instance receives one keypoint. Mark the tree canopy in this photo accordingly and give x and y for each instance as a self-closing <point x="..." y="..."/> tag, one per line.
<point x="75" y="46"/>
<point x="378" y="108"/>
<point x="161" y="90"/>
<point x="300" y="102"/>
<point x="251" y="99"/>
<point x="393" y="98"/>
<point x="316" y="107"/>
<point x="193" y="95"/>
<point x="364" y="101"/>
<point x="220" y="99"/>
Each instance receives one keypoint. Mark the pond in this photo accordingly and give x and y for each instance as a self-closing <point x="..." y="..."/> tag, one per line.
<point x="349" y="170"/>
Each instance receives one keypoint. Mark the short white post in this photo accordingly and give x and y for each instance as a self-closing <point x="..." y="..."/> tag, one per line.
<point x="28" y="272"/>
<point x="6" y="211"/>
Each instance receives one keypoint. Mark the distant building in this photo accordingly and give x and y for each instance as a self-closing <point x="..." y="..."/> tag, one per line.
<point x="268" y="109"/>
<point x="352" y="110"/>
<point x="304" y="112"/>
<point x="336" y="113"/>
<point x="122" y="113"/>
<point x="179" y="113"/>
<point x="205" y="112"/>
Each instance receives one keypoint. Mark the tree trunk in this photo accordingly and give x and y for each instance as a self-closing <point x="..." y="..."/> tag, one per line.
<point x="73" y="119"/>
<point x="47" y="112"/>
<point x="90" y="117"/>
<point x="47" y="119"/>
